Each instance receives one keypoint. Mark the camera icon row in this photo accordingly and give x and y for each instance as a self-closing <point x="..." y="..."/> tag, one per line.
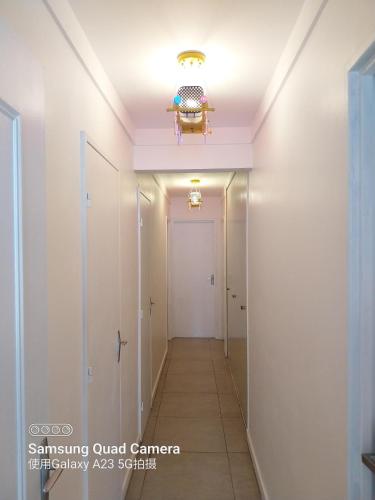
<point x="50" y="429"/>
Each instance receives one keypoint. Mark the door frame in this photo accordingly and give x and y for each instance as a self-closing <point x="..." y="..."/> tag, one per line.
<point x="17" y="199"/>
<point x="247" y="237"/>
<point x="139" y="329"/>
<point x="86" y="141"/>
<point x="170" y="250"/>
<point x="361" y="257"/>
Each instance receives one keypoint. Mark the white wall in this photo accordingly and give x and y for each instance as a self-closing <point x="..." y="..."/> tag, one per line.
<point x="298" y="265"/>
<point x="226" y="149"/>
<point x="158" y="256"/>
<point x="212" y="209"/>
<point x="73" y="103"/>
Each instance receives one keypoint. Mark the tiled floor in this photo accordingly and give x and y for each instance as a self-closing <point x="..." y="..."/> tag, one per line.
<point x="195" y="407"/>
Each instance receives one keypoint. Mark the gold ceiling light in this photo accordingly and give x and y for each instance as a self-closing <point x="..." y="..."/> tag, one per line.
<point x="195" y="196"/>
<point x="190" y="104"/>
<point x="191" y="57"/>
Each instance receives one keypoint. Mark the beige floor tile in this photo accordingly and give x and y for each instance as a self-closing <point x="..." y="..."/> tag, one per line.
<point x="191" y="434"/>
<point x="217" y="349"/>
<point x="217" y="355"/>
<point x="170" y="347"/>
<point x="190" y="366"/>
<point x="195" y="407"/>
<point x="235" y="434"/>
<point x="194" y="351"/>
<point x="244" y="480"/>
<point x="135" y="486"/>
<point x="216" y="344"/>
<point x="193" y="382"/>
<point x="220" y="364"/>
<point x="178" y="404"/>
<point x="229" y="406"/>
<point x="224" y="382"/>
<point x="190" y="476"/>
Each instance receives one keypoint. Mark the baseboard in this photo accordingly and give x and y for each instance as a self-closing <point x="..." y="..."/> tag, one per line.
<point x="128" y="474"/>
<point x="159" y="373"/>
<point x="258" y="473"/>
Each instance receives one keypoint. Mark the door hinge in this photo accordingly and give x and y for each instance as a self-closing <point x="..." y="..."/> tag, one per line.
<point x="142" y="406"/>
<point x="90" y="374"/>
<point x="141" y="314"/>
<point x="88" y="200"/>
<point x="141" y="222"/>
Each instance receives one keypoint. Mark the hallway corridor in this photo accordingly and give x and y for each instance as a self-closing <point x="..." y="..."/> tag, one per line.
<point x="195" y="407"/>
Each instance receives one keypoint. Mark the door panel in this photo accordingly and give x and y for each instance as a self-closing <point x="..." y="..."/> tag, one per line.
<point x="236" y="284"/>
<point x="103" y="317"/>
<point x="145" y="321"/>
<point x="192" y="275"/>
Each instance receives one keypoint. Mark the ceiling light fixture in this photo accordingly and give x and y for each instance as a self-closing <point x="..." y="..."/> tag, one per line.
<point x="190" y="104"/>
<point x="195" y="196"/>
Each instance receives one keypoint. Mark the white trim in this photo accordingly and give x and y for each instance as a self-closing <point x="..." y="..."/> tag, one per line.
<point x="18" y="296"/>
<point x="166" y="280"/>
<point x="306" y="22"/>
<point x="84" y="402"/>
<point x="224" y="264"/>
<point x="247" y="304"/>
<point x="19" y="292"/>
<point x="154" y="389"/>
<point x="139" y="331"/>
<point x="139" y="323"/>
<point x="64" y="17"/>
<point x="361" y="234"/>
<point x="128" y="473"/>
<point x="258" y="473"/>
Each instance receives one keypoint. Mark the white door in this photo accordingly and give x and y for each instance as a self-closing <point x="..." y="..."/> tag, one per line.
<point x="192" y="279"/>
<point x="103" y="317"/>
<point x="23" y="298"/>
<point x="145" y="368"/>
<point x="236" y="284"/>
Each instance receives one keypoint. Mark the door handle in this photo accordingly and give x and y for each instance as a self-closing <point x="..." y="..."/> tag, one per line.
<point x="51" y="481"/>
<point x="120" y="344"/>
<point x="243" y="308"/>
<point x="152" y="303"/>
<point x="234" y="296"/>
<point x="369" y="460"/>
<point x="212" y="279"/>
<point x="47" y="480"/>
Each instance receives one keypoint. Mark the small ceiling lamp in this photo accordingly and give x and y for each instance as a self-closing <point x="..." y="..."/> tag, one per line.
<point x="190" y="104"/>
<point x="195" y="196"/>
